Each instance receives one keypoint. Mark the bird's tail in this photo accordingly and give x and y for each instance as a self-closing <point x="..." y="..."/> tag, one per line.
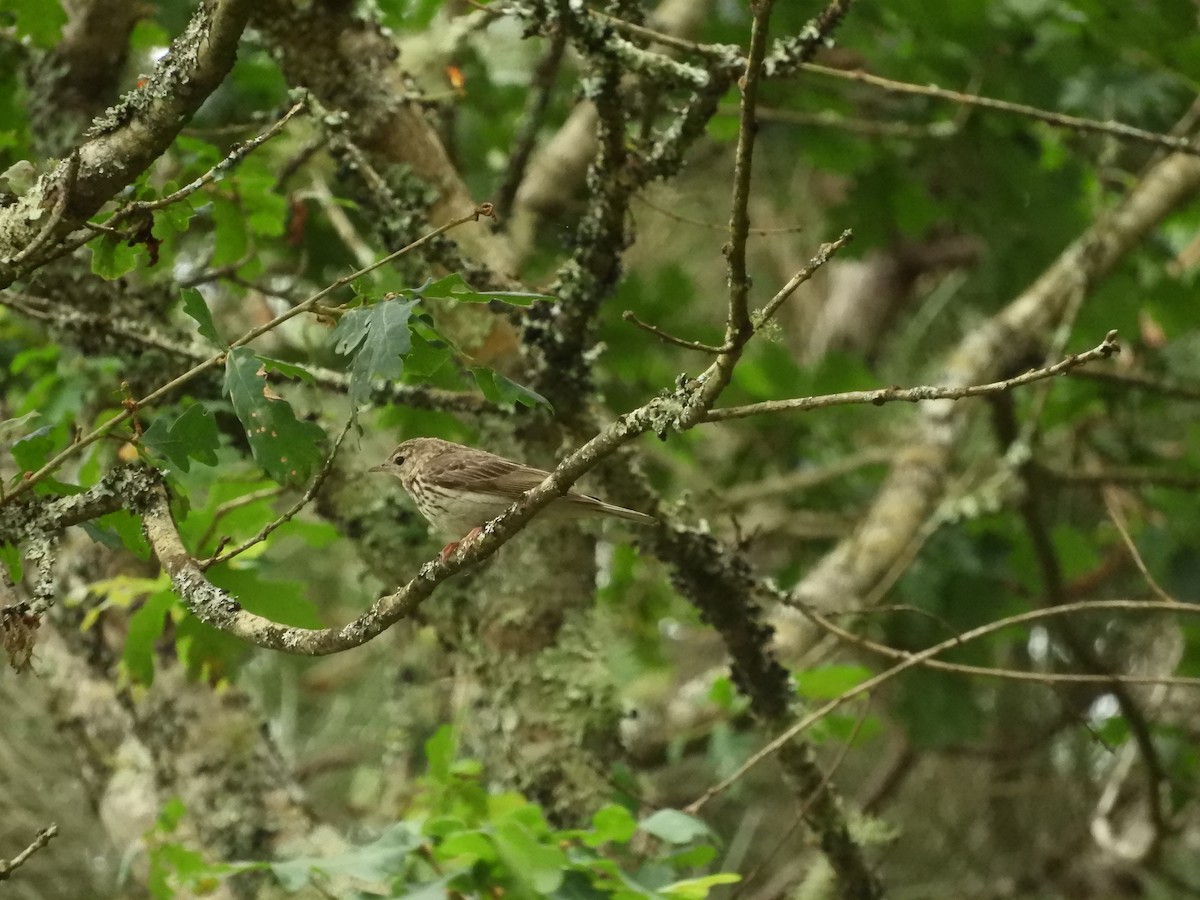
<point x="618" y="512"/>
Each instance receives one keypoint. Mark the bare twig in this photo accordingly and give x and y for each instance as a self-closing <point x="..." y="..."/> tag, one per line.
<point x="1124" y="475"/>
<point x="1046" y="678"/>
<point x="541" y="89"/>
<point x="1058" y="120"/>
<point x="824" y="252"/>
<point x="798" y="819"/>
<point x="43" y="838"/>
<point x="868" y="127"/>
<point x="235" y="156"/>
<point x="629" y="316"/>
<point x="713" y="226"/>
<point x="739" y="327"/>
<point x="417" y="396"/>
<point x="307" y="498"/>
<point x="1118" y="519"/>
<point x="916" y="394"/>
<point x="237" y="503"/>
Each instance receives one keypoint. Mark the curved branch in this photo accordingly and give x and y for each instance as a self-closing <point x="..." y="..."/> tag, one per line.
<point x="126" y="140"/>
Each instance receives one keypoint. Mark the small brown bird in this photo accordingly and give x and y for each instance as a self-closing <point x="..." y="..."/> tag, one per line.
<point x="458" y="488"/>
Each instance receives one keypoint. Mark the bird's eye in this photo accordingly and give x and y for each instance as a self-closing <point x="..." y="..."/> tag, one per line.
<point x="398" y="459"/>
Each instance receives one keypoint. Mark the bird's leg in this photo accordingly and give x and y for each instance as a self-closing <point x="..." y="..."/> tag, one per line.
<point x="454" y="546"/>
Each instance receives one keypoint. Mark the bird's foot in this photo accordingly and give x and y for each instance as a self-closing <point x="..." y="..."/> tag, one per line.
<point x="458" y="546"/>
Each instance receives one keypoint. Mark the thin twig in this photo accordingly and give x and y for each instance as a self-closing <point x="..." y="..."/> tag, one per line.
<point x="1059" y="120"/>
<point x="739" y="328"/>
<point x="629" y="316"/>
<point x="1124" y="475"/>
<point x="916" y="394"/>
<point x="237" y="503"/>
<point x="1118" y="520"/>
<point x="309" y="494"/>
<point x="824" y="252"/>
<point x="798" y="819"/>
<point x="235" y="156"/>
<point x="1045" y="678"/>
<point x="418" y="396"/>
<point x="868" y="127"/>
<point x="541" y="89"/>
<point x="713" y="226"/>
<point x="41" y="840"/>
<point x="1145" y="381"/>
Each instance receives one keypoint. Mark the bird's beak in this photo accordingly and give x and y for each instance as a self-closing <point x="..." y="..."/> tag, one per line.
<point x="382" y="467"/>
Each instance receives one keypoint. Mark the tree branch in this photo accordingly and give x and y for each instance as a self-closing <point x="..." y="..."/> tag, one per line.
<point x="124" y="142"/>
<point x="42" y="838"/>
<point x="880" y="396"/>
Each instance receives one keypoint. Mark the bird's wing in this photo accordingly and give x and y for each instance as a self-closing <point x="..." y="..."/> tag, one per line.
<point x="487" y="472"/>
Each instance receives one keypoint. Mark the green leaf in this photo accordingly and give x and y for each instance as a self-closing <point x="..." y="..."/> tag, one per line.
<point x="194" y="306"/>
<point x="279" y="600"/>
<point x="723" y="129"/>
<point x="439" y="751"/>
<point x="454" y="287"/>
<point x="120" y="529"/>
<point x="192" y="436"/>
<point x="142" y="630"/>
<point x="674" y="827"/>
<point x="113" y="257"/>
<point x="10" y="558"/>
<point x="170" y="816"/>
<point x="611" y="823"/>
<point x="229" y="229"/>
<point x="538" y="865"/>
<point x="427" y="355"/>
<point x="32" y="450"/>
<point x="722" y="692"/>
<point x="693" y="857"/>
<point x="828" y="682"/>
<point x="374" y="862"/>
<point x="176" y="218"/>
<point x="698" y="888"/>
<point x="466" y="847"/>
<point x="287" y="369"/>
<point x="376" y="338"/>
<point x="504" y="391"/>
<point x="287" y="449"/>
<point x="266" y="207"/>
<point x="38" y="20"/>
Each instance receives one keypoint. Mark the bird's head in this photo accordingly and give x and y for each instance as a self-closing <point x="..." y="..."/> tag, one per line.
<point x="409" y="457"/>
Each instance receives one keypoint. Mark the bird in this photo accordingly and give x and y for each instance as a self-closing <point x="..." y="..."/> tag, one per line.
<point x="458" y="488"/>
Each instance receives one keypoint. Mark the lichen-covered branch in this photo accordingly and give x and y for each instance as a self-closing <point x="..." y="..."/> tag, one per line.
<point x="125" y="141"/>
